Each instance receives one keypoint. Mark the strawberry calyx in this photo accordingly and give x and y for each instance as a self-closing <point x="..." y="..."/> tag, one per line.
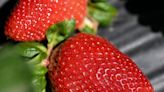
<point x="101" y="11"/>
<point x="37" y="55"/>
<point x="59" y="32"/>
<point x="34" y="54"/>
<point x="90" y="25"/>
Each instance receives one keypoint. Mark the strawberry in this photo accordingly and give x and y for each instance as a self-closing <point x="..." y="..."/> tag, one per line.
<point x="31" y="18"/>
<point x="88" y="63"/>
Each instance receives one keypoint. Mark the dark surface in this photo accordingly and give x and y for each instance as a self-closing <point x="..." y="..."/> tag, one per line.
<point x="149" y="13"/>
<point x="145" y="47"/>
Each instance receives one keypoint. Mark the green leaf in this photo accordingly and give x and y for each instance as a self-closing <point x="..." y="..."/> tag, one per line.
<point x="103" y="12"/>
<point x="15" y="75"/>
<point x="34" y="52"/>
<point x="60" y="31"/>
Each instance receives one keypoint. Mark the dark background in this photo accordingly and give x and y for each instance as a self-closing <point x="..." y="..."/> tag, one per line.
<point x="132" y="32"/>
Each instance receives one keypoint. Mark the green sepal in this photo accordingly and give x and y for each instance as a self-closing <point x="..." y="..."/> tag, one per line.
<point x="39" y="83"/>
<point x="103" y="12"/>
<point x="41" y="70"/>
<point x="60" y="31"/>
<point x="35" y="53"/>
<point x="39" y="79"/>
<point x="88" y="30"/>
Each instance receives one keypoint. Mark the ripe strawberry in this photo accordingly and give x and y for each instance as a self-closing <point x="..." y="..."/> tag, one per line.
<point x="31" y="18"/>
<point x="87" y="63"/>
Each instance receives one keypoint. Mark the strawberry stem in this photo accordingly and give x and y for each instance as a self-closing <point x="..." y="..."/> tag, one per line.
<point x="89" y="25"/>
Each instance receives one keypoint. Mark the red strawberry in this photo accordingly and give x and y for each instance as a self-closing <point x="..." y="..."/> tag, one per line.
<point x="87" y="63"/>
<point x="31" y="18"/>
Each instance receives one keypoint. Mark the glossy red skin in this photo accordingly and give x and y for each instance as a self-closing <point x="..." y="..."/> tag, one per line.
<point x="31" y="18"/>
<point x="88" y="63"/>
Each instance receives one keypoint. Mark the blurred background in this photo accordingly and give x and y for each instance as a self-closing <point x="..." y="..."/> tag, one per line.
<point x="137" y="31"/>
